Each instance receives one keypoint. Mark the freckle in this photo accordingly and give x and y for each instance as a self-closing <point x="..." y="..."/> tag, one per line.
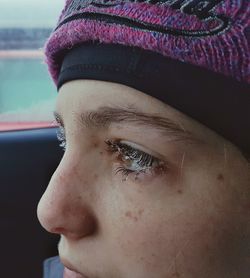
<point x="220" y="177"/>
<point x="179" y="191"/>
<point x="101" y="153"/>
<point x="79" y="198"/>
<point x="94" y="143"/>
<point x="128" y="214"/>
<point x="141" y="211"/>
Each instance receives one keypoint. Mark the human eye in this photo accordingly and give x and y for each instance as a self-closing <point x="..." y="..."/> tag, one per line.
<point x="60" y="133"/>
<point x="134" y="161"/>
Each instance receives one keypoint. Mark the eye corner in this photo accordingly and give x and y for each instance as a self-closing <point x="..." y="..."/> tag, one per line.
<point x="111" y="145"/>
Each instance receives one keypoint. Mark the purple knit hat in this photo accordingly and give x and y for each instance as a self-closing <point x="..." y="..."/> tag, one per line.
<point x="214" y="34"/>
<point x="202" y="66"/>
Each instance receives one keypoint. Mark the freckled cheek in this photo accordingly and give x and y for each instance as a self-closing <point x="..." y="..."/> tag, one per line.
<point x="153" y="244"/>
<point x="145" y="242"/>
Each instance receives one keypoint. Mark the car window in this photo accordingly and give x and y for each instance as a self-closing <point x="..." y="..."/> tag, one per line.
<point x="27" y="94"/>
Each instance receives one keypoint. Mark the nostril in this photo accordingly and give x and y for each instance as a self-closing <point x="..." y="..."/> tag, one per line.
<point x="75" y="227"/>
<point x="58" y="230"/>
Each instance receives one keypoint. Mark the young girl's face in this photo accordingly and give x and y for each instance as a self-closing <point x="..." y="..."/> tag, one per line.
<point x="143" y="191"/>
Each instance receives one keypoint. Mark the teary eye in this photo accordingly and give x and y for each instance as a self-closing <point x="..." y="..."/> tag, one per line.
<point x="134" y="160"/>
<point x="61" y="137"/>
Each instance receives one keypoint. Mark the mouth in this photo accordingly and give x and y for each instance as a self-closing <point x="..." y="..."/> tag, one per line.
<point x="70" y="271"/>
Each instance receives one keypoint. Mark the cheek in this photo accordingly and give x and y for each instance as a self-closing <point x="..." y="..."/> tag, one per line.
<point x="153" y="242"/>
<point x="146" y="242"/>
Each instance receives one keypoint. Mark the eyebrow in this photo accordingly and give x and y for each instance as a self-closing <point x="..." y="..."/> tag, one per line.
<point x="105" y="116"/>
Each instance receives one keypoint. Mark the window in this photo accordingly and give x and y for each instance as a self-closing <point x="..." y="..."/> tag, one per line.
<point x="27" y="94"/>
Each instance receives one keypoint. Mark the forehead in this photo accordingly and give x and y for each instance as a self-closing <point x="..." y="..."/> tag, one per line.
<point x="78" y="96"/>
<point x="97" y="93"/>
<point x="81" y="95"/>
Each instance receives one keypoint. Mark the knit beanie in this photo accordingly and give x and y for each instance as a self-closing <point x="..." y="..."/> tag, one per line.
<point x="191" y="54"/>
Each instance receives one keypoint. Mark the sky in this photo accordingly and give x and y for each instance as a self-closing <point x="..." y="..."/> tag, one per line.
<point x="29" y="13"/>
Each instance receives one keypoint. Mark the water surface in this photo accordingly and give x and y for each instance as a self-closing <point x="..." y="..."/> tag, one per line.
<point x="25" y="89"/>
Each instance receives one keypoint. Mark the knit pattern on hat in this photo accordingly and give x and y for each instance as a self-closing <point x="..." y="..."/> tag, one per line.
<point x="214" y="34"/>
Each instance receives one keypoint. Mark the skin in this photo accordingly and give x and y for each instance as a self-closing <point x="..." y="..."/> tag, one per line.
<point x="191" y="221"/>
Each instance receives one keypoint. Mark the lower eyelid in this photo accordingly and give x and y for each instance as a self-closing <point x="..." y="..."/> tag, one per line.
<point x="145" y="178"/>
<point x="146" y="175"/>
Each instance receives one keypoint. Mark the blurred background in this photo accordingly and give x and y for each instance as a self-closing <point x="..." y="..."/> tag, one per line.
<point x="27" y="94"/>
<point x="27" y="158"/>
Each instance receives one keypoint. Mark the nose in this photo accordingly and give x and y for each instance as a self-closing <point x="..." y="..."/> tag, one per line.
<point x="65" y="206"/>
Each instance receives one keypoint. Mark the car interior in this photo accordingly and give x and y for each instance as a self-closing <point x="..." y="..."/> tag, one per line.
<point x="28" y="159"/>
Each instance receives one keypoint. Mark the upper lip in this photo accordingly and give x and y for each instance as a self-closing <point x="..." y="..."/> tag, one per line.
<point x="68" y="265"/>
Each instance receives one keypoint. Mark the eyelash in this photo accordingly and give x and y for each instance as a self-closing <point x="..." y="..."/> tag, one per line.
<point x="60" y="133"/>
<point x="145" y="163"/>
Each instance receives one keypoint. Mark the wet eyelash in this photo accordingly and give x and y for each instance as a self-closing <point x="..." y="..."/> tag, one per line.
<point x="144" y="162"/>
<point x="60" y="133"/>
